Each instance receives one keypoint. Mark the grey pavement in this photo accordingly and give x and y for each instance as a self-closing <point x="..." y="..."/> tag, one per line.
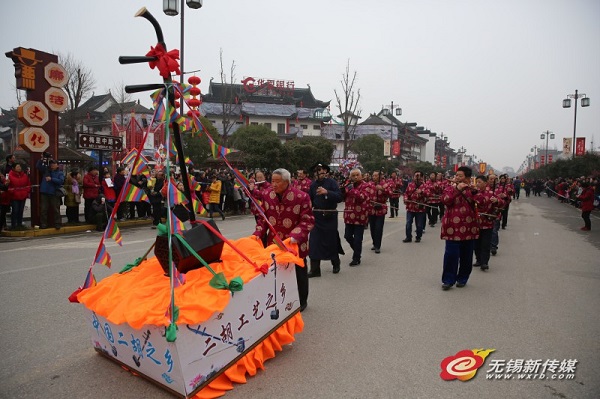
<point x="379" y="330"/>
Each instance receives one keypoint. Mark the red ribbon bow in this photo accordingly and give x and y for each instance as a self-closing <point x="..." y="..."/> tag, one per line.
<point x="167" y="61"/>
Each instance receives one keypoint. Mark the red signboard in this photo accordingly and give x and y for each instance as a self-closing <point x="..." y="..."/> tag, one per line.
<point x="396" y="148"/>
<point x="580" y="146"/>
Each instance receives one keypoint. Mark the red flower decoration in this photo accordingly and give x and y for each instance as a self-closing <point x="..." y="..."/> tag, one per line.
<point x="167" y="61"/>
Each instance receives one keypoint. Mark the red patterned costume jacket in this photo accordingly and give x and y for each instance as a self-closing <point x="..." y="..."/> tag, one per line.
<point x="379" y="197"/>
<point x="435" y="191"/>
<point x="395" y="185"/>
<point x="487" y="206"/>
<point x="258" y="194"/>
<point x="290" y="214"/>
<point x="415" y="194"/>
<point x="505" y="193"/>
<point x="303" y="185"/>
<point x="459" y="222"/>
<point x="357" y="203"/>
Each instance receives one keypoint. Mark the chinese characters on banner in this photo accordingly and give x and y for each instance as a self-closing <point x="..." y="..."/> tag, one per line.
<point x="396" y="148"/>
<point x="580" y="146"/>
<point x="567" y="149"/>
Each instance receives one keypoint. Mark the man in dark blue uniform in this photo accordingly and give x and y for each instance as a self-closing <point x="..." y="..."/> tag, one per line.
<point x="324" y="241"/>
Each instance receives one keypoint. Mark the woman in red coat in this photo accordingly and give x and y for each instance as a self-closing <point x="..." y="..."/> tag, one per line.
<point x="19" y="188"/>
<point x="587" y="204"/>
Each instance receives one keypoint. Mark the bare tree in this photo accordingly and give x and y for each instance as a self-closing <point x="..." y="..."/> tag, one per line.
<point x="227" y="99"/>
<point x="122" y="98"/>
<point x="348" y="105"/>
<point x="80" y="85"/>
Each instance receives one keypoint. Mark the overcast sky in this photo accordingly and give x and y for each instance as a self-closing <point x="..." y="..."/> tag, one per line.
<point x="489" y="74"/>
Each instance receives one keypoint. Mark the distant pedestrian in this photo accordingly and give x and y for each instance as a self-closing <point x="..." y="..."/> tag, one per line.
<point x="91" y="189"/>
<point x="587" y="204"/>
<point x="52" y="179"/>
<point x="19" y="190"/>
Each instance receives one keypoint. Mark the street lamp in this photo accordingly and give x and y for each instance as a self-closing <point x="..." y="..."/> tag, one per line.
<point x="585" y="102"/>
<point x="171" y="8"/>
<point x="547" y="135"/>
<point x="534" y="149"/>
<point x="388" y="112"/>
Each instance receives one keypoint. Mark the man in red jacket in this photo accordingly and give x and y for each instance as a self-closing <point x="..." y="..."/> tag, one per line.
<point x="91" y="190"/>
<point x="459" y="228"/>
<point x="290" y="213"/>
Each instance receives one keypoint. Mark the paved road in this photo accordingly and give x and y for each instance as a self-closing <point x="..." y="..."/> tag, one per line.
<point x="376" y="331"/>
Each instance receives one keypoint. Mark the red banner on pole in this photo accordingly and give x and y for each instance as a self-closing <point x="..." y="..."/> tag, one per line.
<point x="542" y="160"/>
<point x="550" y="158"/>
<point x="580" y="146"/>
<point x="396" y="148"/>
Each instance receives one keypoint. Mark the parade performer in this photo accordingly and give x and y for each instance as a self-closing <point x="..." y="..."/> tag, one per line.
<point x="302" y="183"/>
<point x="289" y="211"/>
<point x="434" y="190"/>
<point x="459" y="229"/>
<point x="395" y="184"/>
<point x="505" y="192"/>
<point x="415" y="197"/>
<point x="380" y="191"/>
<point x="488" y="211"/>
<point x="356" y="213"/>
<point x="324" y="239"/>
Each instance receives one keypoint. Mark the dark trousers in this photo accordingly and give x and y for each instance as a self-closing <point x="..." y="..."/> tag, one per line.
<point x="585" y="215"/>
<point x="495" y="236"/>
<point x="458" y="261"/>
<point x="157" y="207"/>
<point x="73" y="214"/>
<point x="354" y="236"/>
<point x="432" y="214"/>
<point x="302" y="280"/>
<point x="442" y="208"/>
<point x="16" y="215"/>
<point x="376" y="223"/>
<point x="53" y="202"/>
<point x="505" y="216"/>
<point x="212" y="207"/>
<point x="3" y="212"/>
<point x="394" y="205"/>
<point x="483" y="245"/>
<point x="419" y="218"/>
<point x="88" y="212"/>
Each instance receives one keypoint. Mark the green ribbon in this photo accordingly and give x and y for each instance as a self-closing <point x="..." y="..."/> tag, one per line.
<point x="219" y="282"/>
<point x="130" y="266"/>
<point x="171" y="333"/>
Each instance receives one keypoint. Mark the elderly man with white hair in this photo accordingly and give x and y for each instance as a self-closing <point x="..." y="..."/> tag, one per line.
<point x="289" y="210"/>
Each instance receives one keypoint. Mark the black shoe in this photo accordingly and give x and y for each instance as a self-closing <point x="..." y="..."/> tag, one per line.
<point x="355" y="263"/>
<point x="314" y="274"/>
<point x="303" y="307"/>
<point x="503" y="227"/>
<point x="418" y="239"/>
<point x="484" y="267"/>
<point x="391" y="217"/>
<point x="223" y="218"/>
<point x="373" y="248"/>
<point x="377" y="251"/>
<point x="460" y="285"/>
<point x="477" y="264"/>
<point x="58" y="227"/>
<point x="446" y="287"/>
<point x="43" y="227"/>
<point x="494" y="252"/>
<point x="407" y="240"/>
<point x="336" y="269"/>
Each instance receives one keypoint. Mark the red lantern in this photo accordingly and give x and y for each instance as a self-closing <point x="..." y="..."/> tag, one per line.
<point x="194" y="80"/>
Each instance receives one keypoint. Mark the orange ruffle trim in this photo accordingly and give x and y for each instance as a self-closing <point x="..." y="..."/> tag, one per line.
<point x="253" y="360"/>
<point x="143" y="295"/>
